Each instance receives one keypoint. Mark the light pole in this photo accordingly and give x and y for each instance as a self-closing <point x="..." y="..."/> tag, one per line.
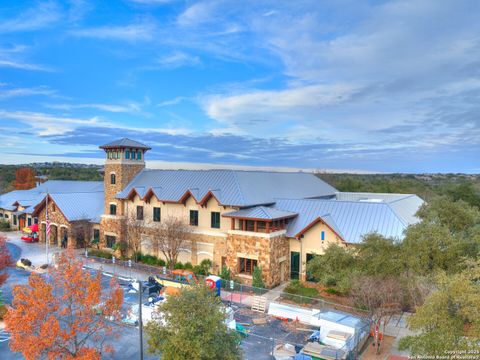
<point x="140" y="322"/>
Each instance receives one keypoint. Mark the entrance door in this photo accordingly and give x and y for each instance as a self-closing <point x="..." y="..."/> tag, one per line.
<point x="294" y="265"/>
<point x="21" y="222"/>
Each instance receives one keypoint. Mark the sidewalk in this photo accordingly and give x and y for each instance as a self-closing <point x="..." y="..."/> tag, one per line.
<point x="118" y="270"/>
<point x="35" y="252"/>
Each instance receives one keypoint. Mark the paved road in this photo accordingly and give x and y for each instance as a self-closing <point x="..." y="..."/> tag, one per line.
<point x="126" y="346"/>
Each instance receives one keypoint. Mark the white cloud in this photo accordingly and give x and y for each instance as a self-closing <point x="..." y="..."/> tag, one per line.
<point x="10" y="58"/>
<point x="178" y="59"/>
<point x="17" y="92"/>
<point x="152" y="2"/>
<point x="394" y="64"/>
<point x="47" y="124"/>
<point x="143" y="30"/>
<point x="196" y="14"/>
<point x="22" y="65"/>
<point x="43" y="15"/>
<point x="174" y="101"/>
<point x="113" y="108"/>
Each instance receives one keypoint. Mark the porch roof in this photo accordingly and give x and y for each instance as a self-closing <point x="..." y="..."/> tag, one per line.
<point x="260" y="213"/>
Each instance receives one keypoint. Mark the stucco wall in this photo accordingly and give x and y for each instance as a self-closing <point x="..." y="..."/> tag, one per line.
<point x="311" y="242"/>
<point x="182" y="211"/>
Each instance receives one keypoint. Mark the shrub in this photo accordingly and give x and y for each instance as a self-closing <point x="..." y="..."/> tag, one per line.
<point x="149" y="259"/>
<point x="161" y="262"/>
<point x="188" y="265"/>
<point x="332" y="291"/>
<point x="179" y="265"/>
<point x="121" y="246"/>
<point x="4" y="225"/>
<point x="203" y="268"/>
<point x="257" y="278"/>
<point x="330" y="281"/>
<point x="100" y="253"/>
<point x="224" y="273"/>
<point x="299" y="293"/>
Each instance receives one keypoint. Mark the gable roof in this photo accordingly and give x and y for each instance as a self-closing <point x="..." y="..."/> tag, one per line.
<point x="81" y="206"/>
<point x="230" y="187"/>
<point x="30" y="198"/>
<point x="350" y="220"/>
<point x="260" y="212"/>
<point x="404" y="205"/>
<point x="125" y="143"/>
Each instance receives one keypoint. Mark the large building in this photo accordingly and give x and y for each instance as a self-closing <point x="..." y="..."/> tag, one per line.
<point x="238" y="219"/>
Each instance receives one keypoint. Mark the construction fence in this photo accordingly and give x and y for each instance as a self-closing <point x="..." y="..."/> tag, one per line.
<point x="231" y="291"/>
<point x="240" y="296"/>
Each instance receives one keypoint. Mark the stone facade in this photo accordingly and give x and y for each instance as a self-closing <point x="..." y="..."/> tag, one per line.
<point x="79" y="233"/>
<point x="271" y="252"/>
<point x="59" y="226"/>
<point x="124" y="174"/>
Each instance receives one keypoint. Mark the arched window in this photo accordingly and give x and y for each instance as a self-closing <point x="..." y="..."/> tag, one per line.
<point x="113" y="179"/>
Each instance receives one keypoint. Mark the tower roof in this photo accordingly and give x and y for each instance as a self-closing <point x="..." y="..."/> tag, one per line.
<point x="125" y="143"/>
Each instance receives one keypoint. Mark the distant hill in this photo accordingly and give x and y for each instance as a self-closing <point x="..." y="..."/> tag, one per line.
<point x="427" y="186"/>
<point x="50" y="171"/>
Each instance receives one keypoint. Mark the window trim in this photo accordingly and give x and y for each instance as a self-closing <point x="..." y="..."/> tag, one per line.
<point x="110" y="246"/>
<point x="248" y="265"/>
<point x="212" y="214"/>
<point x="195" y="218"/>
<point x="140" y="215"/>
<point x="159" y="214"/>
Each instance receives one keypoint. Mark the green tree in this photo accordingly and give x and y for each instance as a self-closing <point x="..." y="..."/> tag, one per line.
<point x="457" y="216"/>
<point x="257" y="278"/>
<point x="429" y="247"/>
<point x="449" y="319"/>
<point x="379" y="256"/>
<point x="333" y="267"/>
<point x="193" y="327"/>
<point x="464" y="191"/>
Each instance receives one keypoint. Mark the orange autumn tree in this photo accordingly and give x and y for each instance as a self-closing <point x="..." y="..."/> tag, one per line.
<point x="63" y="315"/>
<point x="24" y="179"/>
<point x="5" y="260"/>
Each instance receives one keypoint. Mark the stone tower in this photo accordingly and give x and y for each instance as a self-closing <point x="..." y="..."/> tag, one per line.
<point x="124" y="160"/>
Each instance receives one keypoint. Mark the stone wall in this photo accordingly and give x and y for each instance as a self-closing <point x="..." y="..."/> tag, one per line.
<point x="271" y="253"/>
<point x="124" y="174"/>
<point x="59" y="225"/>
<point x="199" y="247"/>
<point x="114" y="226"/>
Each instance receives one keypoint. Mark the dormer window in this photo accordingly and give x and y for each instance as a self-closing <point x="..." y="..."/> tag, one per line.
<point x="113" y="179"/>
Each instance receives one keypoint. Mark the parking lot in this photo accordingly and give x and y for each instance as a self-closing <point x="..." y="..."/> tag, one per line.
<point x="257" y="345"/>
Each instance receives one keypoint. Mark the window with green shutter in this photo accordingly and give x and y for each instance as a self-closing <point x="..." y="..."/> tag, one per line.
<point x="194" y="217"/>
<point x="215" y="223"/>
<point x="156" y="214"/>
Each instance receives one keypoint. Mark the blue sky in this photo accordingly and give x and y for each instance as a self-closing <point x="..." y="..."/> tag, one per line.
<point x="378" y="86"/>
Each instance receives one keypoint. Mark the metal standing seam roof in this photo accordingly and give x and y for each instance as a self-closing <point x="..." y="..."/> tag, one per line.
<point x="352" y="220"/>
<point x="404" y="205"/>
<point x="80" y="206"/>
<point x="230" y="187"/>
<point x="30" y="198"/>
<point x="260" y="212"/>
<point x="125" y="143"/>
